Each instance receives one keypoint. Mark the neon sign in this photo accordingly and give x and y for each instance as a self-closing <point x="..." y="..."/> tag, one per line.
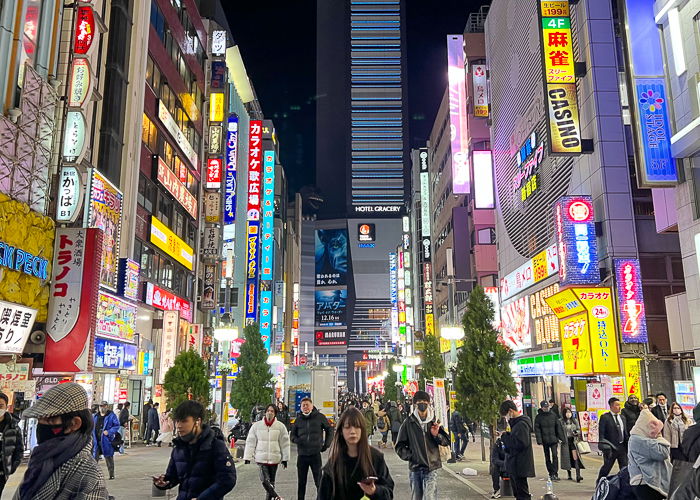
<point x="633" y="321"/>
<point x="231" y="164"/>
<point x="576" y="240"/>
<point x="253" y="219"/>
<point x="458" y="114"/>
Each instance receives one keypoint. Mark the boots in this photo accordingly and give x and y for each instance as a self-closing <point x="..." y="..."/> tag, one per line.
<point x="578" y="472"/>
<point x="569" y="474"/>
<point x="110" y="466"/>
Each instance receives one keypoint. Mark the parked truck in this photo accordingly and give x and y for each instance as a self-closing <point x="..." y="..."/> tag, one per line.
<point x="320" y="383"/>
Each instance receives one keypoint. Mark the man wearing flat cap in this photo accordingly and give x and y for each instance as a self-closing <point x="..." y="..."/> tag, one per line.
<point x="61" y="466"/>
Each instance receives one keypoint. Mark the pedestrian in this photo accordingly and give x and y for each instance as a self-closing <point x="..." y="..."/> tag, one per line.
<point x="106" y="429"/>
<point x="124" y="422"/>
<point x="200" y="462"/>
<point x="691" y="439"/>
<point x="383" y="425"/>
<point x="144" y="420"/>
<point x="420" y="437"/>
<point x="460" y="433"/>
<point x="549" y="435"/>
<point x="313" y="435"/>
<point x="675" y="426"/>
<point x="613" y="436"/>
<point x="268" y="445"/>
<point x="11" y="443"/>
<point x="61" y="466"/>
<point x="554" y="408"/>
<point x="649" y="453"/>
<point x="647" y="403"/>
<point x="370" y="418"/>
<point x="497" y="467"/>
<point x="283" y="415"/>
<point x="520" y="461"/>
<point x="630" y="412"/>
<point x="354" y="469"/>
<point x="166" y="428"/>
<point x="153" y="425"/>
<point x="396" y="418"/>
<point x="660" y="411"/>
<point x="570" y="457"/>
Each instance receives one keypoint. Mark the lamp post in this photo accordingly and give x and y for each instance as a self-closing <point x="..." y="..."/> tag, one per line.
<point x="225" y="335"/>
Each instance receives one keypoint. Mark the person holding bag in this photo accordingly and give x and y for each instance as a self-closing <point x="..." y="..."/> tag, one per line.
<point x="570" y="455"/>
<point x="674" y="427"/>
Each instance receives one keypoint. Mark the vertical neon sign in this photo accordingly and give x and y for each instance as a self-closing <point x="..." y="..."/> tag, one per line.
<point x="458" y="114"/>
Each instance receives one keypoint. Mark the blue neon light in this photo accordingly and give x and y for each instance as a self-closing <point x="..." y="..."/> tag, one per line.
<point x="266" y="318"/>
<point x="578" y="250"/>
<point x="231" y="163"/>
<point x="268" y="211"/>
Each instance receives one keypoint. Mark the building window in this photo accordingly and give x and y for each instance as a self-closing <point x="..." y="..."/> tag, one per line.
<point x="153" y="76"/>
<point x="157" y="20"/>
<point x="147" y="193"/>
<point x="165" y="210"/>
<point x="486" y="236"/>
<point x="149" y="134"/>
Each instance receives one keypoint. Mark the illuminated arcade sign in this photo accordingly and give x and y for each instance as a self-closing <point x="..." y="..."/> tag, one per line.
<point x="458" y="114"/>
<point x="214" y="173"/>
<point x="85" y="28"/>
<point x="541" y="266"/>
<point x="216" y="107"/>
<point x="633" y="321"/>
<point x="576" y="240"/>
<point x="587" y="329"/>
<point x="481" y="99"/>
<point x="80" y="82"/>
<point x="231" y="166"/>
<point x="170" y="243"/>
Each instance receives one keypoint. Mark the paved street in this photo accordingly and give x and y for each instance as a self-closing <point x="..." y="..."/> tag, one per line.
<point x="135" y="469"/>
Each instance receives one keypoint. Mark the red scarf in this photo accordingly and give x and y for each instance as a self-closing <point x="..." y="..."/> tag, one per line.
<point x="269" y="423"/>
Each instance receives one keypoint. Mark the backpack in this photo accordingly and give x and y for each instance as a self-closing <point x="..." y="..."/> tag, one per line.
<point x="381" y="423"/>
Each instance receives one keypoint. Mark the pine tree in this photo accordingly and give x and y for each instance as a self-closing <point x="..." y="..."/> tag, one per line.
<point x="253" y="386"/>
<point x="433" y="364"/>
<point x="483" y="378"/>
<point x="188" y="375"/>
<point x="391" y="391"/>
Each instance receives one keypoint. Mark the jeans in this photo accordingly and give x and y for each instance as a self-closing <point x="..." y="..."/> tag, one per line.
<point x="609" y="457"/>
<point x="551" y="458"/>
<point x="122" y="431"/>
<point x="267" y="478"/>
<point x="304" y="463"/>
<point x="394" y="436"/>
<point x="521" y="490"/>
<point x="461" y="442"/>
<point x="424" y="484"/>
<point x="385" y="436"/>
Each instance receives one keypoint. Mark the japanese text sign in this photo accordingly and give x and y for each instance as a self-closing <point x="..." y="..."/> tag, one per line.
<point x="176" y="188"/>
<point x="459" y="132"/>
<point x="254" y="169"/>
<point x="167" y="301"/>
<point x="214" y="173"/>
<point x="115" y="355"/>
<point x="85" y="28"/>
<point x="212" y="207"/>
<point x="558" y="50"/>
<point x="16" y="324"/>
<point x="268" y="219"/>
<point x="231" y="166"/>
<point x="171" y="126"/>
<point x="116" y="318"/>
<point x="633" y="320"/>
<point x="540" y="267"/>
<point x="168" y="346"/>
<point x="576" y="240"/>
<point x="129" y="278"/>
<point x="171" y="244"/>
<point x="70" y="194"/>
<point x="481" y="99"/>
<point x="266" y="317"/>
<point x="216" y="107"/>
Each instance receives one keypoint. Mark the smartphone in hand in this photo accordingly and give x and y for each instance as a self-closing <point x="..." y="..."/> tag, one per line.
<point x="369" y="480"/>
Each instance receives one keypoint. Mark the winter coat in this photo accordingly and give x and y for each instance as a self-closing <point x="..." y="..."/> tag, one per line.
<point x="498" y="458"/>
<point x="691" y="443"/>
<point x="630" y="414"/>
<point x="283" y="416"/>
<point x="383" y="424"/>
<point x="649" y="462"/>
<point x="79" y="478"/>
<point x="565" y="455"/>
<point x="308" y="433"/>
<point x="608" y="432"/>
<point x="166" y="423"/>
<point x="370" y="419"/>
<point x="457" y="425"/>
<point x="674" y="430"/>
<point x="547" y="428"/>
<point x="12" y="446"/>
<point x="153" y="419"/>
<point x="396" y="418"/>
<point x="384" y="483"/>
<point x="267" y="444"/>
<point x="124" y="417"/>
<point x="203" y="469"/>
<point x="418" y="447"/>
<point x="520" y="461"/>
<point x="111" y="425"/>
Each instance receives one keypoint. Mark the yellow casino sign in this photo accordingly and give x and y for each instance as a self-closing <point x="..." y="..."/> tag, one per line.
<point x="588" y="330"/>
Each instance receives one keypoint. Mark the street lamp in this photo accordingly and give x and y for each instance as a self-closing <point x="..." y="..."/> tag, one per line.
<point x="226" y="333"/>
<point x="453" y="334"/>
<point x="275" y="359"/>
<point x="398" y="368"/>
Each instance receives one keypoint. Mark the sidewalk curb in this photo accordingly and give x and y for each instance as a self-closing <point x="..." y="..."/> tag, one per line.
<point x="471" y="485"/>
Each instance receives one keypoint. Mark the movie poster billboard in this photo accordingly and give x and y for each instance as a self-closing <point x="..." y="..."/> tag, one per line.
<point x="331" y="257"/>
<point x="331" y="307"/>
<point x="105" y="212"/>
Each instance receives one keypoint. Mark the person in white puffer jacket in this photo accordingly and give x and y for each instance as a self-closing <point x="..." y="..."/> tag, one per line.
<point x="268" y="445"/>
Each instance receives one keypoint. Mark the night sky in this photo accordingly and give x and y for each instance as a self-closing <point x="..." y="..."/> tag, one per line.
<point x="279" y="49"/>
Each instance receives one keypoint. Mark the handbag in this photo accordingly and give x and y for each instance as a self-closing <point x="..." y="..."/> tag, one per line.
<point x="583" y="448"/>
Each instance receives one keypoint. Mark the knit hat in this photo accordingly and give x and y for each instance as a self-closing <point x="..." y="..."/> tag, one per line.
<point x="647" y="425"/>
<point x="544" y="404"/>
<point x="421" y="396"/>
<point x="59" y="400"/>
<point x="696" y="413"/>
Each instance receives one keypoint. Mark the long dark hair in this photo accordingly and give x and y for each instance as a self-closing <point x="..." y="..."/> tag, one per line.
<point x="671" y="415"/>
<point x="352" y="417"/>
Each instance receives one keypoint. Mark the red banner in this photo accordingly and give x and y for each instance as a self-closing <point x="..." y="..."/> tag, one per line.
<point x="167" y="301"/>
<point x="72" y="318"/>
<point x="85" y="27"/>
<point x="176" y="188"/>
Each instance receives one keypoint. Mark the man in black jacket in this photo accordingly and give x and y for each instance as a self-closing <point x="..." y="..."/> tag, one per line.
<point x="661" y="411"/>
<point x="459" y="431"/>
<point x="124" y="422"/>
<point x="200" y="461"/>
<point x="520" y="461"/>
<point x="313" y="435"/>
<point x="11" y="445"/>
<point x="613" y="435"/>
<point x="631" y="411"/>
<point x="420" y="437"/>
<point x="549" y="434"/>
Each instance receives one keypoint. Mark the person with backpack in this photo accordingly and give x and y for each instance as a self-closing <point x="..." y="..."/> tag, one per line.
<point x="383" y="425"/>
<point x="200" y="462"/>
<point x="396" y="418"/>
<point x="460" y="433"/>
<point x="268" y="445"/>
<point x="497" y="467"/>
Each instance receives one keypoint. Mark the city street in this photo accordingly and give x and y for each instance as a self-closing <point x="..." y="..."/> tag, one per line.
<point x="134" y="471"/>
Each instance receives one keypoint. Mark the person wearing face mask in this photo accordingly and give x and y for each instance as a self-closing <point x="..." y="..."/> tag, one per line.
<point x="649" y="465"/>
<point x="549" y="435"/>
<point x="674" y="428"/>
<point x="630" y="412"/>
<point x="106" y="429"/>
<point x="370" y="418"/>
<point x="11" y="444"/>
<point x="268" y="445"/>
<point x="660" y="411"/>
<point x="200" y="461"/>
<point x="313" y="435"/>
<point x="418" y="443"/>
<point x="61" y="466"/>
<point x="520" y="460"/>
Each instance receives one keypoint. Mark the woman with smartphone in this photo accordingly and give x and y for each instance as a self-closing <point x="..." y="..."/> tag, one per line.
<point x="354" y="469"/>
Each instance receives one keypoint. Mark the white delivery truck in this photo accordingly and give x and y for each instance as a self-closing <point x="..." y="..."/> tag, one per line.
<point x="320" y="383"/>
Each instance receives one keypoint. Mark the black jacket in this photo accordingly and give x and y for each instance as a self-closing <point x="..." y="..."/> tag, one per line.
<point x="656" y="411"/>
<point x="520" y="462"/>
<point x="308" y="433"/>
<point x="396" y="418"/>
<point x="419" y="448"/>
<point x="153" y="419"/>
<point x="608" y="433"/>
<point x="124" y="417"/>
<point x="12" y="447"/>
<point x="457" y="425"/>
<point x="690" y="444"/>
<point x="384" y="483"/>
<point x="283" y="416"/>
<point x="548" y="430"/>
<point x="630" y="414"/>
<point x="498" y="458"/>
<point x="204" y="470"/>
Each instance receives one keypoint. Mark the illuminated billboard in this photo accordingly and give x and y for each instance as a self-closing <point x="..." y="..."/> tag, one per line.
<point x="331" y="257"/>
<point x="331" y="307"/>
<point x="481" y="99"/>
<point x="483" y="179"/>
<point x="576" y="240"/>
<point x="231" y="165"/>
<point x="268" y="216"/>
<point x="105" y="212"/>
<point x="216" y="106"/>
<point x="170" y="243"/>
<point x="253" y="220"/>
<point x="516" y="331"/>
<point x="458" y="114"/>
<point x="266" y="317"/>
<point x="630" y="298"/>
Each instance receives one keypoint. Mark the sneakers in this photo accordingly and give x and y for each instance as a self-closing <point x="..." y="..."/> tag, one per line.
<point x="554" y="477"/>
<point x="496" y="494"/>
